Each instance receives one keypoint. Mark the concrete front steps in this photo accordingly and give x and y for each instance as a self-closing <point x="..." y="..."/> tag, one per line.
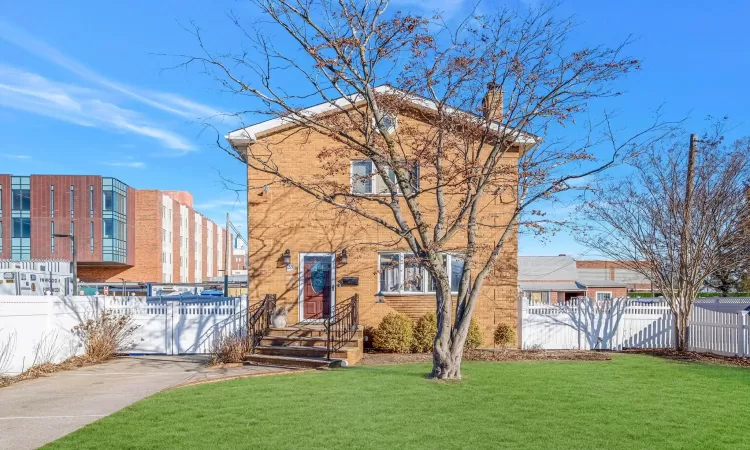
<point x="304" y="346"/>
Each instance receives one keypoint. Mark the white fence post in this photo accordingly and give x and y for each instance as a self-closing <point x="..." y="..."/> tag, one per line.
<point x="169" y="324"/>
<point x="742" y="334"/>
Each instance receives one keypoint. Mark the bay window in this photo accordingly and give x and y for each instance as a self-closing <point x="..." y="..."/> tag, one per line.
<point x="401" y="273"/>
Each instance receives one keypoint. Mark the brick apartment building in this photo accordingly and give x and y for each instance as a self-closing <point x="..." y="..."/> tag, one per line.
<point x="121" y="232"/>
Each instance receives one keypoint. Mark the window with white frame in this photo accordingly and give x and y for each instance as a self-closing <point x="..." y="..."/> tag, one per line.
<point x="402" y="273"/>
<point x="603" y="296"/>
<point x="539" y="296"/>
<point x="366" y="180"/>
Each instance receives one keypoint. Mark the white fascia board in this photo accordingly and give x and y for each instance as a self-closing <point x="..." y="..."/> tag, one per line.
<point x="248" y="135"/>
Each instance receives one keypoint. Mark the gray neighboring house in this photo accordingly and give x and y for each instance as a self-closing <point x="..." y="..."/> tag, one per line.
<point x="556" y="279"/>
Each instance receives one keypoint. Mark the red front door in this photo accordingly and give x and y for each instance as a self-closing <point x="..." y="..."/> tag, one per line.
<point x="316" y="290"/>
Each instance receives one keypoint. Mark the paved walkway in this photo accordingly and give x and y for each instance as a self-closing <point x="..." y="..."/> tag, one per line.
<point x="35" y="412"/>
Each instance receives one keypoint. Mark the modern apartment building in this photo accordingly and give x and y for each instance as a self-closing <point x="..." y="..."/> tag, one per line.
<point x="94" y="209"/>
<point x="121" y="233"/>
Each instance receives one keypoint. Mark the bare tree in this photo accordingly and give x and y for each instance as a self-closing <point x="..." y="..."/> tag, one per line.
<point x="477" y="148"/>
<point x="676" y="229"/>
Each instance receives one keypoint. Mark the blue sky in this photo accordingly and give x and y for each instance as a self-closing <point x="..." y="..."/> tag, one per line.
<point x="83" y="91"/>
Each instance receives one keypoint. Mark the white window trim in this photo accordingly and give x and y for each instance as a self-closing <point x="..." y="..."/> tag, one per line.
<point x="373" y="180"/>
<point x="603" y="292"/>
<point x="401" y="269"/>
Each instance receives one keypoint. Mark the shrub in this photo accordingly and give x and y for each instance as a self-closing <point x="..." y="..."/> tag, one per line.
<point x="104" y="336"/>
<point x="424" y="333"/>
<point x="229" y="348"/>
<point x="394" y="334"/>
<point x="505" y="336"/>
<point x="474" y="338"/>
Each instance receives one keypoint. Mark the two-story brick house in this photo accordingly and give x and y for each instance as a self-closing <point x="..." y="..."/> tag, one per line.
<point x="311" y="255"/>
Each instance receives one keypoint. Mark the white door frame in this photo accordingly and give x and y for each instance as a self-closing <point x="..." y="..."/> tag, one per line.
<point x="301" y="284"/>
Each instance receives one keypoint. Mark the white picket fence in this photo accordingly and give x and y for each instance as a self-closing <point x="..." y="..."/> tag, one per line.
<point x="630" y="323"/>
<point x="39" y="329"/>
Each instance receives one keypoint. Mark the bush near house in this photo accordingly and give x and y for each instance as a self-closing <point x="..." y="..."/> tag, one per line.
<point x="424" y="333"/>
<point x="394" y="334"/>
<point x="505" y="336"/>
<point x="474" y="338"/>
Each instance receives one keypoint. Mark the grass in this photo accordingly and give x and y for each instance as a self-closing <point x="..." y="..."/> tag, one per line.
<point x="633" y="401"/>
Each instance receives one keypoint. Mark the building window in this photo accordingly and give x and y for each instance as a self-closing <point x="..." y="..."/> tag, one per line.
<point x="402" y="273"/>
<point x="91" y="201"/>
<point x="72" y="200"/>
<point x="539" y="296"/>
<point x="52" y="200"/>
<point x="91" y="236"/>
<point x="1" y="236"/>
<point x="52" y="236"/>
<point x="603" y="296"/>
<point x="114" y="220"/>
<point x="21" y="227"/>
<point x="1" y="200"/>
<point x="72" y="233"/>
<point x="21" y="194"/>
<point x="366" y="180"/>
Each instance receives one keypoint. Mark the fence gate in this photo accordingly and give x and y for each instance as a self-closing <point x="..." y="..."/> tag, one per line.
<point x="179" y="326"/>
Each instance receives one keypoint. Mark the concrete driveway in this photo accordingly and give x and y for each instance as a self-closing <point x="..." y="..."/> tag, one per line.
<point x="35" y="412"/>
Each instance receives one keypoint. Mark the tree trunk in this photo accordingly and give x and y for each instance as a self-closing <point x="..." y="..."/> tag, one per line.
<point x="446" y="358"/>
<point x="681" y="332"/>
<point x="448" y="347"/>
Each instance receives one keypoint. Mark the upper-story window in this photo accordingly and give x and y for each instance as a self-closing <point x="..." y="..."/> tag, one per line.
<point x="366" y="180"/>
<point x="21" y="194"/>
<point x="52" y="200"/>
<point x="91" y="201"/>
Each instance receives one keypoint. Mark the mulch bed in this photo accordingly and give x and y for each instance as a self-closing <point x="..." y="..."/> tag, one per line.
<point x="535" y="355"/>
<point x="708" y="358"/>
<point x="375" y="358"/>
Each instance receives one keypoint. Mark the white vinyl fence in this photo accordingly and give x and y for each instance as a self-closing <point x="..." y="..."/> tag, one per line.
<point x="723" y="333"/>
<point x="34" y="330"/>
<point x="588" y="325"/>
<point x="631" y="323"/>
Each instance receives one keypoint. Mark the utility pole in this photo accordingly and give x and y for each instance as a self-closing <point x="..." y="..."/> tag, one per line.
<point x="686" y="235"/>
<point x="226" y="258"/>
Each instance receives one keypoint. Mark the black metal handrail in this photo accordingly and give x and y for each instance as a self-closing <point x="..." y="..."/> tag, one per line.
<point x="342" y="325"/>
<point x="260" y="320"/>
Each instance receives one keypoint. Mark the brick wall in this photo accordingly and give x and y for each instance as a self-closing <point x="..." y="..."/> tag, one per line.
<point x="148" y="244"/>
<point x="191" y="245"/>
<point x="285" y="218"/>
<point x="175" y="241"/>
<point x="615" y="291"/>
<point x="42" y="217"/>
<point x="204" y="250"/>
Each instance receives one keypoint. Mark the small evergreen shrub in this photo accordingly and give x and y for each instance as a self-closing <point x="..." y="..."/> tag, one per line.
<point x="424" y="333"/>
<point x="505" y="336"/>
<point x="474" y="338"/>
<point x="394" y="334"/>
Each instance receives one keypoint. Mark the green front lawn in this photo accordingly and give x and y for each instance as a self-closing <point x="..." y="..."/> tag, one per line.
<point x="633" y="401"/>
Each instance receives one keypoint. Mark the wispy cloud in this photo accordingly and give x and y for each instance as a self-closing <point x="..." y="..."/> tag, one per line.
<point x="79" y="105"/>
<point x="448" y="8"/>
<point x="131" y="164"/>
<point x="12" y="156"/>
<point x="221" y="204"/>
<point x="171" y="103"/>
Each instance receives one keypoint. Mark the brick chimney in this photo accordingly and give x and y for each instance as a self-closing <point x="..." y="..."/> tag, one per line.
<point x="492" y="103"/>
